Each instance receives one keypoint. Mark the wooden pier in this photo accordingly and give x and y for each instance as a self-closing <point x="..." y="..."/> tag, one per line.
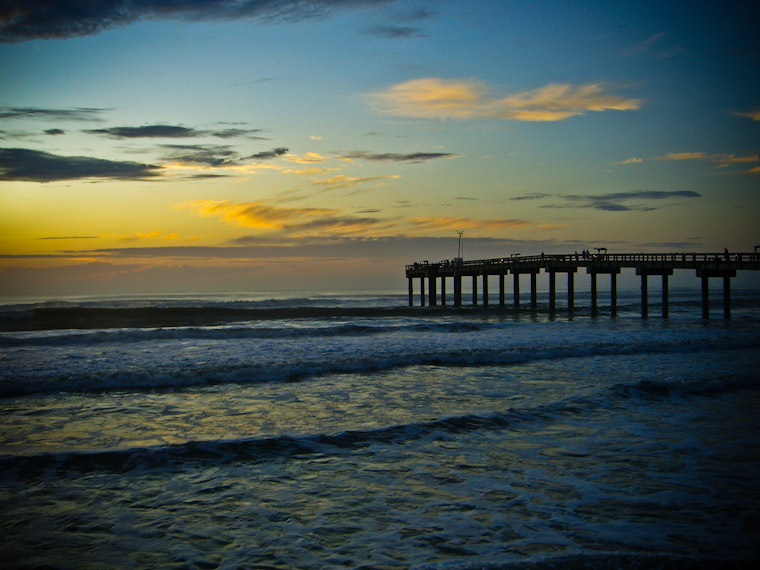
<point x="707" y="265"/>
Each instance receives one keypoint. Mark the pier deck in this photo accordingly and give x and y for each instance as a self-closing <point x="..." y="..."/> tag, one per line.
<point x="707" y="265"/>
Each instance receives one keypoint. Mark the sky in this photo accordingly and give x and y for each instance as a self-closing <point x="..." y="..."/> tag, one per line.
<point x="181" y="146"/>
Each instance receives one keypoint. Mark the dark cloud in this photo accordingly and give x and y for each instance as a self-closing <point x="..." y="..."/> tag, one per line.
<point x="149" y="131"/>
<point x="214" y="155"/>
<point x="274" y="153"/>
<point x="395" y="157"/>
<point x="22" y="20"/>
<point x="201" y="154"/>
<point x="531" y="197"/>
<point x="614" y="201"/>
<point x="169" y="131"/>
<point x="395" y="32"/>
<point x="28" y="165"/>
<point x="235" y="133"/>
<point x="72" y="114"/>
<point x="55" y="132"/>
<point x="205" y="176"/>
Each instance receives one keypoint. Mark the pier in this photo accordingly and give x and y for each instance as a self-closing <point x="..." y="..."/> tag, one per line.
<point x="721" y="266"/>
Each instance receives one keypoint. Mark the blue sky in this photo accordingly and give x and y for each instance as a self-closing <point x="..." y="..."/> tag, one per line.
<point x="245" y="145"/>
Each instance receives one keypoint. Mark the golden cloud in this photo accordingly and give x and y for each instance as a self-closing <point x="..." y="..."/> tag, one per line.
<point x="754" y="115"/>
<point x="343" y="181"/>
<point x="156" y="234"/>
<point x="721" y="160"/>
<point x="254" y="214"/>
<point x="308" y="158"/>
<point x="469" y="223"/>
<point x="451" y="99"/>
<point x="293" y="221"/>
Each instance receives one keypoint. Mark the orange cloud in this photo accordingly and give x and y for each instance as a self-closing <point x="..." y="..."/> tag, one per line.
<point x="452" y="99"/>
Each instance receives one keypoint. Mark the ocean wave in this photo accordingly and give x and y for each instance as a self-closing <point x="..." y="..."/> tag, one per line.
<point x="290" y="446"/>
<point x="611" y="561"/>
<point x="261" y="449"/>
<point x="296" y="360"/>
<point x="78" y="317"/>
<point x="251" y="330"/>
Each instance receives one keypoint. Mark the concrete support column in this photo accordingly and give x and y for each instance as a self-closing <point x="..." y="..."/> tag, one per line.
<point x="644" y="297"/>
<point x="443" y="290"/>
<point x="593" y="294"/>
<point x="726" y="274"/>
<point x="422" y="291"/>
<point x="517" y="289"/>
<point x="474" y="289"/>
<point x="664" y="296"/>
<point x="613" y="293"/>
<point x="726" y="296"/>
<point x="552" y="290"/>
<point x="501" y="289"/>
<point x="411" y="292"/>
<point x="457" y="290"/>
<point x="485" y="289"/>
<point x="533" y="295"/>
<point x="570" y="291"/>
<point x="432" y="293"/>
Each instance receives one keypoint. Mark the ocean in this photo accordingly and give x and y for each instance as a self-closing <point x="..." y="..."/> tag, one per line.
<point x="352" y="431"/>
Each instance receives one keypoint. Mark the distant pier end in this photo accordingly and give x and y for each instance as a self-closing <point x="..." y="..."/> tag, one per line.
<point x="716" y="265"/>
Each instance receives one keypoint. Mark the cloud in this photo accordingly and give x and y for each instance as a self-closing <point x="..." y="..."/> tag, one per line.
<point x="22" y="20"/>
<point x="398" y="20"/>
<point x="395" y="157"/>
<point x="456" y="99"/>
<point x="633" y="160"/>
<point x="469" y="223"/>
<point x="720" y="160"/>
<point x="55" y="132"/>
<point x="71" y="114"/>
<point x="615" y="201"/>
<point x="274" y="153"/>
<point x="169" y="131"/>
<point x="754" y="115"/>
<point x="343" y="181"/>
<point x="67" y="237"/>
<point x="532" y="197"/>
<point x="308" y="158"/>
<point x="395" y="32"/>
<point x="20" y="164"/>
<point x="276" y="218"/>
<point x="235" y="133"/>
<point x="148" y="131"/>
<point x="201" y="155"/>
<point x="656" y="46"/>
<point x="214" y="156"/>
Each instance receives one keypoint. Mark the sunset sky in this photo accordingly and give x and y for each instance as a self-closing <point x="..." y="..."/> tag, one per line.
<point x="251" y="145"/>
